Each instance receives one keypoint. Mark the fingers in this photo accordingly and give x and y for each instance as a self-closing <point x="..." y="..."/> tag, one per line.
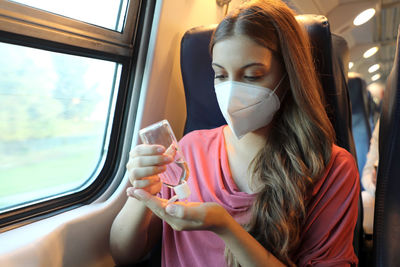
<point x="146" y="161"/>
<point x="138" y="173"/>
<point x="161" y="208"/>
<point x="184" y="216"/>
<point x="188" y="216"/>
<point x="188" y="211"/>
<point x="150" y="160"/>
<point x="171" y="150"/>
<point x="155" y="204"/>
<point x="146" y="155"/>
<point x="151" y="184"/>
<point x="145" y="182"/>
<point x="206" y="214"/>
<point x="146" y="150"/>
<point x="176" y="210"/>
<point x="152" y="187"/>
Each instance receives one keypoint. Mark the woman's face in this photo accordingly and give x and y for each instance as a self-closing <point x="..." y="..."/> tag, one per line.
<point x="240" y="59"/>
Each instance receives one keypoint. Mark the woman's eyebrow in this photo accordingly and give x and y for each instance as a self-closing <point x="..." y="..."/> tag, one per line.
<point x="253" y="64"/>
<point x="217" y="65"/>
<point x="243" y="67"/>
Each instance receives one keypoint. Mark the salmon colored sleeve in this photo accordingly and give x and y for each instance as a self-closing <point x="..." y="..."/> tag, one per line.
<point x="327" y="238"/>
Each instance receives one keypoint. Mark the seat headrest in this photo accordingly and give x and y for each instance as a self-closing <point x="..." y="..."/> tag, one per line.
<point x="317" y="27"/>
<point x="341" y="52"/>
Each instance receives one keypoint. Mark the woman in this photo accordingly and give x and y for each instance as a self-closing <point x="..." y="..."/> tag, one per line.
<point x="269" y="189"/>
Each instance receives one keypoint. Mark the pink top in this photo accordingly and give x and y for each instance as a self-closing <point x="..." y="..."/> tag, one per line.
<point x="332" y="212"/>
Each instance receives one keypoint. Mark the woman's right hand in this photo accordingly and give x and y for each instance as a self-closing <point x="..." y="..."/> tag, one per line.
<point x="144" y="165"/>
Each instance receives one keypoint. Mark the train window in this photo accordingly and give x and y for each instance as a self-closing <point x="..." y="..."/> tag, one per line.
<point x="67" y="73"/>
<point x="53" y="121"/>
<point x="108" y="14"/>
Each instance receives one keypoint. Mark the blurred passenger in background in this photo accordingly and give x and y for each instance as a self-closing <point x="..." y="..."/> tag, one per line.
<point x="369" y="172"/>
<point x="368" y="181"/>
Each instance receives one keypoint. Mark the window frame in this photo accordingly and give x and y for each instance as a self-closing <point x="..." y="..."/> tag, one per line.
<point x="35" y="28"/>
<point x="28" y="21"/>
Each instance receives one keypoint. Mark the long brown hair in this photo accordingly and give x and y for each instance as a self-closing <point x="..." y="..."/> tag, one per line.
<point x="299" y="144"/>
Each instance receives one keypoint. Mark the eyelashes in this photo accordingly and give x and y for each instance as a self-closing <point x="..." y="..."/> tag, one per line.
<point x="253" y="78"/>
<point x="219" y="77"/>
<point x="246" y="77"/>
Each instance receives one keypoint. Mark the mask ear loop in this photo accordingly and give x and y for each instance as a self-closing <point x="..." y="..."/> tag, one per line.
<point x="277" y="86"/>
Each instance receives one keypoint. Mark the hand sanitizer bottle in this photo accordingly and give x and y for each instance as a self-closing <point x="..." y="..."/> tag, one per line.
<point x="177" y="172"/>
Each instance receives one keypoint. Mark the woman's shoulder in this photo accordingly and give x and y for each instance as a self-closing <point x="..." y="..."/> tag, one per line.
<point x="340" y="171"/>
<point x="341" y="158"/>
<point x="343" y="165"/>
<point x="202" y="137"/>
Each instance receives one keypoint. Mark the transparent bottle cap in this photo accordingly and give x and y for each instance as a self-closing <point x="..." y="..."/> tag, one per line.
<point x="182" y="190"/>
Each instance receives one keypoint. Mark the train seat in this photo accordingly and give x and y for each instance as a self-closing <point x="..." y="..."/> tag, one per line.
<point x="330" y="54"/>
<point x="387" y="202"/>
<point x="360" y="117"/>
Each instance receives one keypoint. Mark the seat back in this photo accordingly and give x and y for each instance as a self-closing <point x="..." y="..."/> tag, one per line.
<point x="360" y="117"/>
<point x="330" y="52"/>
<point x="198" y="80"/>
<point x="386" y="236"/>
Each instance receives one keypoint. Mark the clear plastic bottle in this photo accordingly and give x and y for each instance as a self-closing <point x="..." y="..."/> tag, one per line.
<point x="177" y="172"/>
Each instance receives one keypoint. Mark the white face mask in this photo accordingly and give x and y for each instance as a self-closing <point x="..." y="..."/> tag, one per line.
<point x="246" y="107"/>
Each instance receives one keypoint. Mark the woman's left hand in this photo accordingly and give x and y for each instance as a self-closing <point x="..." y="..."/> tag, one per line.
<point x="185" y="215"/>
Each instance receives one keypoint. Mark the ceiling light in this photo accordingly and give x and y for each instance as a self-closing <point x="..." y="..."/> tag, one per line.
<point x="370" y="52"/>
<point x="364" y="16"/>
<point x="375" y="77"/>
<point x="351" y="64"/>
<point x="373" y="68"/>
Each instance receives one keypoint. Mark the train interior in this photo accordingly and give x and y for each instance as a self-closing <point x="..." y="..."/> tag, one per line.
<point x="154" y="64"/>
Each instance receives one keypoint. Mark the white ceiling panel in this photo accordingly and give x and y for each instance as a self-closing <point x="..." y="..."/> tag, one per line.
<point x="381" y="30"/>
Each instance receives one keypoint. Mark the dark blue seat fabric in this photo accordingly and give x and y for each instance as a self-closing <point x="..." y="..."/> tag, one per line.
<point x="386" y="243"/>
<point x="198" y="80"/>
<point x="361" y="117"/>
<point x="330" y="55"/>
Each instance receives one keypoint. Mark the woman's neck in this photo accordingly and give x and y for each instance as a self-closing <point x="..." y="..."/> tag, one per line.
<point x="241" y="153"/>
<point x="249" y="145"/>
